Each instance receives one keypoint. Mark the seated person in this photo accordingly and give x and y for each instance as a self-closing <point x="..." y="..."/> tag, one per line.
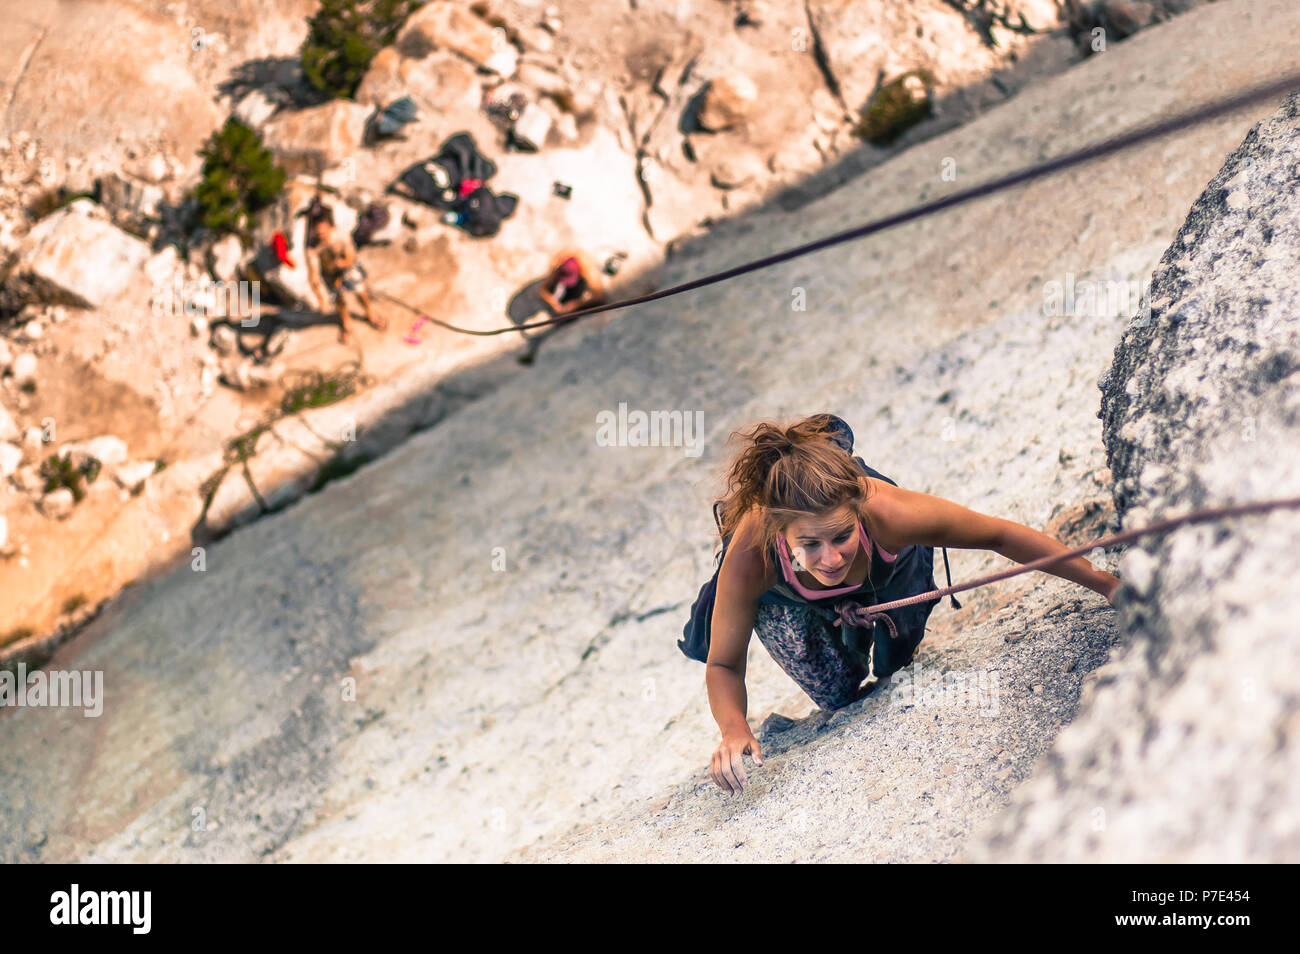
<point x="332" y="264"/>
<point x="573" y="282"/>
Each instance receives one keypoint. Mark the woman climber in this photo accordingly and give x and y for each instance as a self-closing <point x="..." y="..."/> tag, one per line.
<point x="799" y="524"/>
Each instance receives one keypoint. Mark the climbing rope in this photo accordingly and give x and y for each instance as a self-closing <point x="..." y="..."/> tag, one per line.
<point x="853" y="614"/>
<point x="1143" y="133"/>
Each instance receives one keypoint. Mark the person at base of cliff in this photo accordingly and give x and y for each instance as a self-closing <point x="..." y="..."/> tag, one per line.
<point x="572" y="282"/>
<point x="332" y="266"/>
<point x="802" y="518"/>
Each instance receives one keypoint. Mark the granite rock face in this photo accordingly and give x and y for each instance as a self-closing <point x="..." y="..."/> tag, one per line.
<point x="1190" y="750"/>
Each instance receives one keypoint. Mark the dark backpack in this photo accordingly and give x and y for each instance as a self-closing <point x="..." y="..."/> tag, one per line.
<point x="694" y="643"/>
<point x="374" y="218"/>
<point x="390" y="120"/>
<point x="482" y="211"/>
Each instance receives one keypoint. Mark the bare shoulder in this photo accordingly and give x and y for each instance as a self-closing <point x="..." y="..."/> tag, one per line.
<point x="898" y="517"/>
<point x="883" y="508"/>
<point x="744" y="559"/>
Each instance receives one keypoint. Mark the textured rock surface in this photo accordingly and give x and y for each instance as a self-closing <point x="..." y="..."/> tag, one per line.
<point x="315" y="139"/>
<point x="76" y="258"/>
<point x="1191" y="749"/>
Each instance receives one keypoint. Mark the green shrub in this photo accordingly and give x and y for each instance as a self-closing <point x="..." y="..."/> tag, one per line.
<point x="321" y="389"/>
<point x="61" y="472"/>
<point x="344" y="36"/>
<point x="894" y="109"/>
<point x="240" y="178"/>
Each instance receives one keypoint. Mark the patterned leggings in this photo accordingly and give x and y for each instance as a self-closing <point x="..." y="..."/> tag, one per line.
<point x="800" y="642"/>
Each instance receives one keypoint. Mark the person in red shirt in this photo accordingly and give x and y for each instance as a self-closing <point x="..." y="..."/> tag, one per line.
<point x="574" y="281"/>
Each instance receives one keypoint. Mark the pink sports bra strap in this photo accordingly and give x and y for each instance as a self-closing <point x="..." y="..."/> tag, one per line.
<point x="793" y="581"/>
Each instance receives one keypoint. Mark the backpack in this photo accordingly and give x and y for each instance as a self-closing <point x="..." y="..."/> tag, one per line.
<point x="372" y="220"/>
<point x="482" y="211"/>
<point x="390" y="120"/>
<point x="910" y="620"/>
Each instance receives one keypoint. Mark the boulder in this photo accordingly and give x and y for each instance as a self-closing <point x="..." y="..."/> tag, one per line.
<point x="134" y="473"/>
<point x="532" y="126"/>
<point x="1126" y="17"/>
<point x="315" y="139"/>
<point x="72" y="257"/>
<point x="728" y="101"/>
<point x="224" y="339"/>
<point x="107" y="449"/>
<point x="23" y="368"/>
<point x="11" y="455"/>
<point x="542" y="80"/>
<point x="130" y="198"/>
<point x="33" y="440"/>
<point x="28" y="478"/>
<point x="8" y="426"/>
<point x="161" y="268"/>
<point x="565" y="124"/>
<point x="58" y="504"/>
<point x="6" y="357"/>
<point x="437" y="82"/>
<point x="255" y="109"/>
<point x="244" y="374"/>
<point x="735" y="169"/>
<point x="385" y="80"/>
<point x="535" y="39"/>
<point x="224" y="258"/>
<point x="455" y="28"/>
<point x="152" y="169"/>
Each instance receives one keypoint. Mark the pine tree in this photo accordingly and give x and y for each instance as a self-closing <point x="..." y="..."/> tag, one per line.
<point x="240" y="178"/>
<point x="344" y="36"/>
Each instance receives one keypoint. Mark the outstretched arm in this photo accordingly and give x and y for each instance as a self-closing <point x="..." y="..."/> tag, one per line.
<point x="1024" y="545"/>
<point x="901" y="517"/>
